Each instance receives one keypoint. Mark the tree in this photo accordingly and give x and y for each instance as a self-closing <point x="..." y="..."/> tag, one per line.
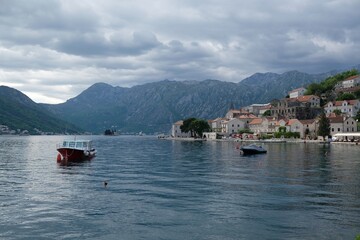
<point x="346" y="96"/>
<point x="245" y="130"/>
<point x="195" y="126"/>
<point x="307" y="131"/>
<point x="324" y="126"/>
<point x="186" y="127"/>
<point x="199" y="126"/>
<point x="337" y="112"/>
<point x="267" y="113"/>
<point x="357" y="94"/>
<point x="328" y="84"/>
<point x="314" y="89"/>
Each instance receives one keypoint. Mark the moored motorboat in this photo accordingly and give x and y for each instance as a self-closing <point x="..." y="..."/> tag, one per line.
<point x="253" y="149"/>
<point x="75" y="150"/>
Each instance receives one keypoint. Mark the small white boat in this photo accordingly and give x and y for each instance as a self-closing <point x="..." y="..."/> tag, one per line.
<point x="252" y="149"/>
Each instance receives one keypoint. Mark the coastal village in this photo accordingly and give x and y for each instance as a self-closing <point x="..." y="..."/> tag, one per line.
<point x="298" y="114"/>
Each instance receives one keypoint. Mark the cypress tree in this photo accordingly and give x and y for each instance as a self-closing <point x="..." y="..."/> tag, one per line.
<point x="324" y="126"/>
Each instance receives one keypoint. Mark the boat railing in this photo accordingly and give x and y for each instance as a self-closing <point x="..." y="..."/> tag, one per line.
<point x="80" y="145"/>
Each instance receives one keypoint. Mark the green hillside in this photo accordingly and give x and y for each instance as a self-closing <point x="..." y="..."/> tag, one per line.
<point x="18" y="112"/>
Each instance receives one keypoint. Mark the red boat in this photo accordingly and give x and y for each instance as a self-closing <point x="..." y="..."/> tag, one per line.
<point x="75" y="150"/>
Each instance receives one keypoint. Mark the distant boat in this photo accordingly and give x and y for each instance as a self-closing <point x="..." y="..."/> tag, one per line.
<point x="252" y="149"/>
<point x="75" y="150"/>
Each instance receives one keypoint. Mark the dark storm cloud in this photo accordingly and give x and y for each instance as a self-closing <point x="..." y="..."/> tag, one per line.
<point x="61" y="47"/>
<point x="90" y="44"/>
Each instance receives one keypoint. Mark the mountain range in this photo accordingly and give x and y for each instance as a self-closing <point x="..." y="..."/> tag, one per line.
<point x="154" y="107"/>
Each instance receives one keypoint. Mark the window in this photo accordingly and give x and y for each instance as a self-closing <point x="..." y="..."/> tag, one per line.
<point x="332" y="129"/>
<point x="338" y="129"/>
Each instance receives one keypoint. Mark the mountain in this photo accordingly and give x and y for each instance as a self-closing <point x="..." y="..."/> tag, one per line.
<point x="153" y="107"/>
<point x="17" y="111"/>
<point x="149" y="108"/>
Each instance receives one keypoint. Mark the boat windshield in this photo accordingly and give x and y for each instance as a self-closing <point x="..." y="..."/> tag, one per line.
<point x="77" y="144"/>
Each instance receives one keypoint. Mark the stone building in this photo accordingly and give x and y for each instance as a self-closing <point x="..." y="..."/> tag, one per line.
<point x="305" y="107"/>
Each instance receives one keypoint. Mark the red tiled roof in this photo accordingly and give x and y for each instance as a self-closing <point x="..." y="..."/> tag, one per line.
<point x="256" y="121"/>
<point x="292" y="121"/>
<point x="349" y="102"/>
<point x="330" y="115"/>
<point x="291" y="99"/>
<point x="352" y="77"/>
<point x="306" y="98"/>
<point x="307" y="121"/>
<point x="353" y="102"/>
<point x="337" y="119"/>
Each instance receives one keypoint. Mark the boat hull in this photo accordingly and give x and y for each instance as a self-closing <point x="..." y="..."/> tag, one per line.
<point x="251" y="151"/>
<point x="69" y="154"/>
<point x="247" y="150"/>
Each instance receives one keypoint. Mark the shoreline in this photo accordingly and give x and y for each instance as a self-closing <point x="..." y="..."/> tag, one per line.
<point x="261" y="141"/>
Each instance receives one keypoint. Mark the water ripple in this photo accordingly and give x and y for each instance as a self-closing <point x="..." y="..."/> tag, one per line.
<point x="178" y="190"/>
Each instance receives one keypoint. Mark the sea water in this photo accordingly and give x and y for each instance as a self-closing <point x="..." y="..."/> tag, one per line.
<point x="166" y="189"/>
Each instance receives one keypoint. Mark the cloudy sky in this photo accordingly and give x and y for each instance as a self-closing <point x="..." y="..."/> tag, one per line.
<point x="52" y="50"/>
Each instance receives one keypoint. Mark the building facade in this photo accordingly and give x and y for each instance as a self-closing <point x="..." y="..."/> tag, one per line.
<point x="296" y="108"/>
<point x="348" y="107"/>
<point x="297" y="93"/>
<point x="176" y="131"/>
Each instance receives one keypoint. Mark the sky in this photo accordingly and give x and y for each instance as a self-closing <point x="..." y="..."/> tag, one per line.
<point x="52" y="50"/>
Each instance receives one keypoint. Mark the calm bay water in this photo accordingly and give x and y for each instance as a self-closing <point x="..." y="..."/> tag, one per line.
<point x="160" y="189"/>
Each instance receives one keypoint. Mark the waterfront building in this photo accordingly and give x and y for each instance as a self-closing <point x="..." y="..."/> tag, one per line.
<point x="294" y="125"/>
<point x="176" y="131"/>
<point x="216" y="124"/>
<point x="247" y="118"/>
<point x="310" y="128"/>
<point x="263" y="125"/>
<point x="341" y="124"/>
<point x="233" y="126"/>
